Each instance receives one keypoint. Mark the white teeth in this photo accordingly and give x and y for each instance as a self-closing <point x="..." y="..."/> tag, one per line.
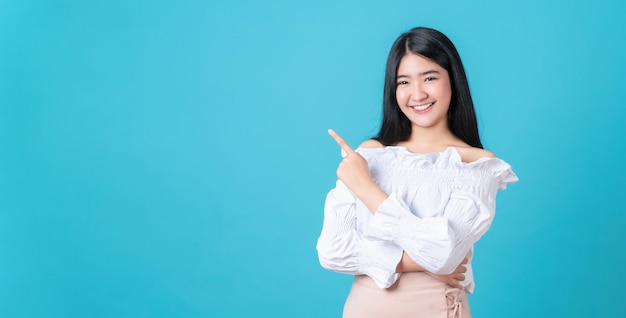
<point x="422" y="107"/>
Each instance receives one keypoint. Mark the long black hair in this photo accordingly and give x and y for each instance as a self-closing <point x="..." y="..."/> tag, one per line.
<point x="435" y="46"/>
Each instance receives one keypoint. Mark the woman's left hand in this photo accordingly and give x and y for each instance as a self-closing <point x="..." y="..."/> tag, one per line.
<point x="455" y="278"/>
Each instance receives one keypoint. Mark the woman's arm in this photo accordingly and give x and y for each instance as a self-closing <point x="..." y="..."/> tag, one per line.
<point x="341" y="248"/>
<point x="354" y="172"/>
<point x="406" y="264"/>
<point x="437" y="244"/>
<point x="344" y="249"/>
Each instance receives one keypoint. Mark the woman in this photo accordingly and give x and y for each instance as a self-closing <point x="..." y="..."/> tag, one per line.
<point x="411" y="202"/>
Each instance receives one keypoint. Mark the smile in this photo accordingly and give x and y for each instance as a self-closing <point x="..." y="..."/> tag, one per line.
<point x="422" y="107"/>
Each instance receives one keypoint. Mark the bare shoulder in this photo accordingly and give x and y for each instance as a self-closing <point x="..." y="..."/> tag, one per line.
<point x="471" y="154"/>
<point x="371" y="143"/>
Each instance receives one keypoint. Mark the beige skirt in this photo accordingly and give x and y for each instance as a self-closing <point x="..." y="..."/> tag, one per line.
<point x="414" y="295"/>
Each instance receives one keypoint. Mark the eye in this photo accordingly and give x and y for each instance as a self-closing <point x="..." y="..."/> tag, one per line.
<point x="429" y="79"/>
<point x="402" y="83"/>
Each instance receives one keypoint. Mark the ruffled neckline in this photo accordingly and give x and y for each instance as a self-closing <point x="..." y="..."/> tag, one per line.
<point x="450" y="152"/>
<point x="447" y="159"/>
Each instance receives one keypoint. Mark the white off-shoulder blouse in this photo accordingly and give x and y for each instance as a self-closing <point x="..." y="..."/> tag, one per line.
<point x="438" y="207"/>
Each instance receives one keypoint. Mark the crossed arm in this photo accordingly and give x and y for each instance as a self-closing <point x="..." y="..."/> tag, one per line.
<point x="353" y="171"/>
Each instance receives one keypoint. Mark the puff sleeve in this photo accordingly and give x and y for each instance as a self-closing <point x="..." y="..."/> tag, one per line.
<point x="344" y="249"/>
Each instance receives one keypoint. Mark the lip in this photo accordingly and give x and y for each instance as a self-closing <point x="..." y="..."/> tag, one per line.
<point x="420" y="111"/>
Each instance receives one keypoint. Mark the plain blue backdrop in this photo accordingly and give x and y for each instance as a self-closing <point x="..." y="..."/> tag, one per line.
<point x="170" y="158"/>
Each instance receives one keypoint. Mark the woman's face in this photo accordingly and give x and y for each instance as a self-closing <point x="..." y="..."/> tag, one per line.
<point x="423" y="91"/>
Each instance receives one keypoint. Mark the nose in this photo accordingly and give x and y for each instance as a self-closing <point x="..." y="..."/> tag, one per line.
<point x="418" y="93"/>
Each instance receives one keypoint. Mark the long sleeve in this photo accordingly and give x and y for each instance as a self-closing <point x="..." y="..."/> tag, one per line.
<point x="437" y="243"/>
<point x="438" y="207"/>
<point x="342" y="248"/>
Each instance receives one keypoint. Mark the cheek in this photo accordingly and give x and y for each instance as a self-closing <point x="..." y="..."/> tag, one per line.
<point x="447" y="89"/>
<point x="402" y="100"/>
<point x="400" y="95"/>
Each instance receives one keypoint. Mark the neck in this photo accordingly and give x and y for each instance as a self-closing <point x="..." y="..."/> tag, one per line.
<point x="431" y="139"/>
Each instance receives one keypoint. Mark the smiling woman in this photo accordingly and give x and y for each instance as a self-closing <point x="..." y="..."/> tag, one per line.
<point x="410" y="204"/>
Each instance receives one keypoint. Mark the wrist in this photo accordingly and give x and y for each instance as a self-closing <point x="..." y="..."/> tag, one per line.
<point x="371" y="195"/>
<point x="406" y="264"/>
<point x="364" y="188"/>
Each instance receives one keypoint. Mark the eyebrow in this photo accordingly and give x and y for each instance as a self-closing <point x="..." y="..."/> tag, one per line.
<point x="420" y="74"/>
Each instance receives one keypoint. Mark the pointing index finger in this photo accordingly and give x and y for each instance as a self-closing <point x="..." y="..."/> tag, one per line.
<point x="340" y="141"/>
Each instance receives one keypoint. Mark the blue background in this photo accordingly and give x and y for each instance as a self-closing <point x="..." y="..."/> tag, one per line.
<point x="170" y="158"/>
